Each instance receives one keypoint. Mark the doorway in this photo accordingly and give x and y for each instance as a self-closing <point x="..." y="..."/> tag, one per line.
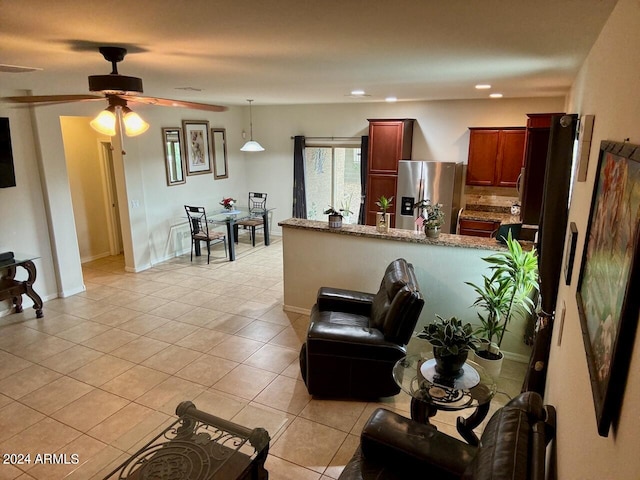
<point x="92" y="184"/>
<point x="111" y="200"/>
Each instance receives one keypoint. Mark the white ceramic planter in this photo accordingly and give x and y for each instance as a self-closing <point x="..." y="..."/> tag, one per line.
<point x="492" y="367"/>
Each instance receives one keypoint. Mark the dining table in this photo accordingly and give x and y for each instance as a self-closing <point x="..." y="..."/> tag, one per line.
<point x="230" y="217"/>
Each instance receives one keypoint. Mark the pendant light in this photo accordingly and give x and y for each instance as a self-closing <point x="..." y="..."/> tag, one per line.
<point x="251" y="145"/>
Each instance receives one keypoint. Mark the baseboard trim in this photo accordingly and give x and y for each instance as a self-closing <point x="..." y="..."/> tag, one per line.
<point x="290" y="308"/>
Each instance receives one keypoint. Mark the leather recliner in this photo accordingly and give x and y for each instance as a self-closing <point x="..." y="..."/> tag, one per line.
<point x="355" y="338"/>
<point x="512" y="446"/>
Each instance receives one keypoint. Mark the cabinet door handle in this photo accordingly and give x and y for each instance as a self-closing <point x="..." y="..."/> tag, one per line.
<point x="519" y="183"/>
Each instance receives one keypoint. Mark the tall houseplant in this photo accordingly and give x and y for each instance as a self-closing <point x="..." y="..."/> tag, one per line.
<point x="506" y="293"/>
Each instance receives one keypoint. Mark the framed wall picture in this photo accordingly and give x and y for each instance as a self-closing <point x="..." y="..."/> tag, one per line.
<point x="607" y="294"/>
<point x="197" y="146"/>
<point x="570" y="252"/>
<point x="219" y="149"/>
<point x="172" y="143"/>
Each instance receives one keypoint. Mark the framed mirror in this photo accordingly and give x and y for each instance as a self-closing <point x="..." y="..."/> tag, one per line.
<point x="173" y="146"/>
<point x="219" y="140"/>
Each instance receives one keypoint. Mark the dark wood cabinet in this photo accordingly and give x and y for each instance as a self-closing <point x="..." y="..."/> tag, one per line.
<point x="535" y="161"/>
<point x="496" y="156"/>
<point x="390" y="141"/>
<point x="478" y="228"/>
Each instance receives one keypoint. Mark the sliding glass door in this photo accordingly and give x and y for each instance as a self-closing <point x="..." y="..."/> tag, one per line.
<point x="332" y="178"/>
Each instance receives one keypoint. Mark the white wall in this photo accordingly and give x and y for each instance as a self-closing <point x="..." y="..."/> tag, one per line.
<point x="23" y="222"/>
<point x="607" y="87"/>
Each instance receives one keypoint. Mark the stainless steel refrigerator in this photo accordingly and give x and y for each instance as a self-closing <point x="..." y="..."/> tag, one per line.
<point x="440" y="182"/>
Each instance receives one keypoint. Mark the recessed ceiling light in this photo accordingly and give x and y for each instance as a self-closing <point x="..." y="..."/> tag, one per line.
<point x="357" y="92"/>
<point x="495" y="95"/>
<point x="391" y="99"/>
<point x="483" y="86"/>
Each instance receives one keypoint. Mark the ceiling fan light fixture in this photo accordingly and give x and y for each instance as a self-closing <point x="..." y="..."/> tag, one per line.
<point x="251" y="145"/>
<point x="134" y="125"/>
<point x="105" y="122"/>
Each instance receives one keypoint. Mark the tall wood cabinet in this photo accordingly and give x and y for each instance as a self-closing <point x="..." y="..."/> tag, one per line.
<point x="496" y="156"/>
<point x="390" y="141"/>
<point x="536" y="146"/>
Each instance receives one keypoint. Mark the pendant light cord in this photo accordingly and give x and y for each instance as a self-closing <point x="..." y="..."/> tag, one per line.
<point x="250" y="120"/>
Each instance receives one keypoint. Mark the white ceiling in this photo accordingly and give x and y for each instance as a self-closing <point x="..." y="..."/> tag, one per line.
<point x="293" y="52"/>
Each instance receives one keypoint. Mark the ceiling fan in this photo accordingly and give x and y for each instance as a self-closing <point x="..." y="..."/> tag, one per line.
<point x="117" y="89"/>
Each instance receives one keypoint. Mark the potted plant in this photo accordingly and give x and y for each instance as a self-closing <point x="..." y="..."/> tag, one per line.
<point x="432" y="217"/>
<point x="335" y="217"/>
<point x="346" y="208"/>
<point x="383" y="219"/>
<point x="451" y="341"/>
<point x="505" y="294"/>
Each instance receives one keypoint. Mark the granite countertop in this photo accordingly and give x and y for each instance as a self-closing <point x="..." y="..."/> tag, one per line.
<point x="490" y="208"/>
<point x="396" y="234"/>
<point x="503" y="218"/>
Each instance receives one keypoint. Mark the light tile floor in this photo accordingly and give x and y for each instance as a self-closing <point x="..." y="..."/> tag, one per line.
<point x="105" y="369"/>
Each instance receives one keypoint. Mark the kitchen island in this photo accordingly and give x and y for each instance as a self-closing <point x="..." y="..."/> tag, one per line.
<point x="355" y="257"/>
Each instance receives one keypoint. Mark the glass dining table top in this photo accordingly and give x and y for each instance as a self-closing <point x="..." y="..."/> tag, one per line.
<point x="221" y="215"/>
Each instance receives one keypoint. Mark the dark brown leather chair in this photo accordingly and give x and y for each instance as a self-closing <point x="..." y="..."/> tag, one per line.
<point x="355" y="338"/>
<point x="512" y="446"/>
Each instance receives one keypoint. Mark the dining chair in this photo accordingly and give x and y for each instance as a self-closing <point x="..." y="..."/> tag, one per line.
<point x="200" y="230"/>
<point x="257" y="204"/>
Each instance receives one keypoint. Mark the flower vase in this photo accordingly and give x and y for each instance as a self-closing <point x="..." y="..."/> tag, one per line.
<point x="432" y="232"/>
<point x="383" y="221"/>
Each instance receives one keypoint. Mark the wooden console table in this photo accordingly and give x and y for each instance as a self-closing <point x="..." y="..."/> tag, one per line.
<point x="13" y="289"/>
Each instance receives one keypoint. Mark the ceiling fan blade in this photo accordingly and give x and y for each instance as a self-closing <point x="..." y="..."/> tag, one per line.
<point x="165" y="102"/>
<point x="53" y="98"/>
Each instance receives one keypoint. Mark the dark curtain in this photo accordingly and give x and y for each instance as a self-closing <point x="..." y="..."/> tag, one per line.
<point x="551" y="237"/>
<point x="299" y="193"/>
<point x="364" y="157"/>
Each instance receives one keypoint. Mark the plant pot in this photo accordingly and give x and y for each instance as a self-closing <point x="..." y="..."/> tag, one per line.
<point x="432" y="232"/>
<point x="383" y="221"/>
<point x="492" y="366"/>
<point x="449" y="366"/>
<point x="335" y="221"/>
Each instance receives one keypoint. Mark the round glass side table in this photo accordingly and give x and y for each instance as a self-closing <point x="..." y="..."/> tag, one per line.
<point x="474" y="388"/>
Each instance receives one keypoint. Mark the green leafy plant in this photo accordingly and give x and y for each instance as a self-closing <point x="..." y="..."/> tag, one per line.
<point x="346" y="206"/>
<point x="432" y="213"/>
<point x="508" y="291"/>
<point x="450" y="335"/>
<point x="344" y="211"/>
<point x="384" y="203"/>
<point x="332" y="211"/>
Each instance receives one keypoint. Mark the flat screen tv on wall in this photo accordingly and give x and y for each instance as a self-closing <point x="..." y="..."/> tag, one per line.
<point x="7" y="172"/>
